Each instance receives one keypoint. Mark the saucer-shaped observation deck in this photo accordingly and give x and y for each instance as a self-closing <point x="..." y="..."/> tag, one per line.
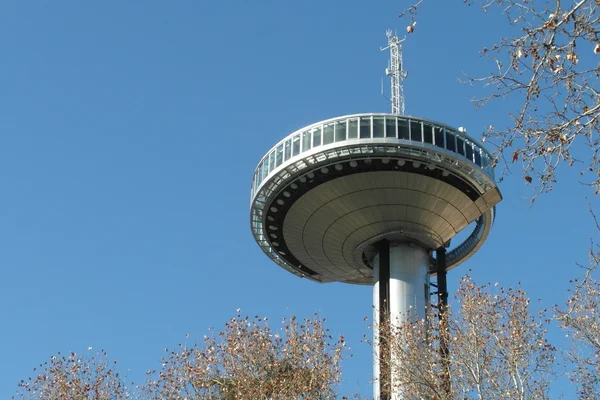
<point x="323" y="195"/>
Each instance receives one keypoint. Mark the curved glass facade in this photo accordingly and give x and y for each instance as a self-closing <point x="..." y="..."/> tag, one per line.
<point x="389" y="128"/>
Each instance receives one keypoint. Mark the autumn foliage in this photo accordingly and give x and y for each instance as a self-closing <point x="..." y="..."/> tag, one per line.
<point x="580" y="319"/>
<point x="497" y="349"/>
<point x="246" y="360"/>
<point x="75" y="377"/>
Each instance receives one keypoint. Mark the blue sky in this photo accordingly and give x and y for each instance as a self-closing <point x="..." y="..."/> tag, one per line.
<point x="130" y="133"/>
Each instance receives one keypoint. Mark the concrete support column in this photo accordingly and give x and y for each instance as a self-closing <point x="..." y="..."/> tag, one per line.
<point x="400" y="291"/>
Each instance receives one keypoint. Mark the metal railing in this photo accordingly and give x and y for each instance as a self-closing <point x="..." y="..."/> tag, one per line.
<point x="389" y="128"/>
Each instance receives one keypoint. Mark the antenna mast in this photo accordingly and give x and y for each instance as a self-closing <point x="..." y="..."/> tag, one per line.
<point x="395" y="72"/>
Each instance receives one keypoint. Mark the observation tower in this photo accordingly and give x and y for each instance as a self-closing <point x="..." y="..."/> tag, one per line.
<point x="375" y="199"/>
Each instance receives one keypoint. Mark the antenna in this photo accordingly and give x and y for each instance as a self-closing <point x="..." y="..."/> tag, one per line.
<point x="395" y="72"/>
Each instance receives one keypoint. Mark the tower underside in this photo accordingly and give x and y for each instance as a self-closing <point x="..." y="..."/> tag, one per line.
<point x="331" y="228"/>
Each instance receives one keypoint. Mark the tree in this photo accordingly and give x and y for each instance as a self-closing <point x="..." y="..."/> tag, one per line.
<point x="497" y="349"/>
<point x="75" y="377"/>
<point x="582" y="323"/>
<point x="247" y="360"/>
<point x="580" y="319"/>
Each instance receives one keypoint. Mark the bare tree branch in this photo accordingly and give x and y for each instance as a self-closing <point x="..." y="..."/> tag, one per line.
<point x="551" y="74"/>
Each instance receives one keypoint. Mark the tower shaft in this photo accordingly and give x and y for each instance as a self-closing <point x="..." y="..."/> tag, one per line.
<point x="400" y="293"/>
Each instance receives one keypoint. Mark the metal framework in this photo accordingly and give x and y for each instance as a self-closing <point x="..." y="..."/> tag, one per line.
<point x="395" y="72"/>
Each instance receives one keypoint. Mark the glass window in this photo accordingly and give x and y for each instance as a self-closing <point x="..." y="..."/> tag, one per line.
<point x="427" y="133"/>
<point x="305" y="141"/>
<point x="266" y="168"/>
<point x="317" y="137"/>
<point x="288" y="149"/>
<point x="477" y="156"/>
<point x="279" y="159"/>
<point x="469" y="150"/>
<point x="460" y="145"/>
<point x="352" y="129"/>
<point x="365" y="128"/>
<point x="296" y="145"/>
<point x="259" y="174"/>
<point x="485" y="160"/>
<point x="439" y="136"/>
<point x="340" y="131"/>
<point x="415" y="131"/>
<point x="390" y="127"/>
<point x="450" y="141"/>
<point x="328" y="134"/>
<point x="403" y="130"/>
<point x="272" y="161"/>
<point x="378" y="127"/>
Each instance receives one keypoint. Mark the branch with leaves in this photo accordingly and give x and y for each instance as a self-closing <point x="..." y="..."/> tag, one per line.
<point x="550" y="72"/>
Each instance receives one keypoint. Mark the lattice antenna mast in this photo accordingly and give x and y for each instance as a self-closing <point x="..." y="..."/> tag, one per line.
<point x="395" y="72"/>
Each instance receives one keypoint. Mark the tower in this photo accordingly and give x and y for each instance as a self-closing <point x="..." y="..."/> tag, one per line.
<point x="368" y="198"/>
